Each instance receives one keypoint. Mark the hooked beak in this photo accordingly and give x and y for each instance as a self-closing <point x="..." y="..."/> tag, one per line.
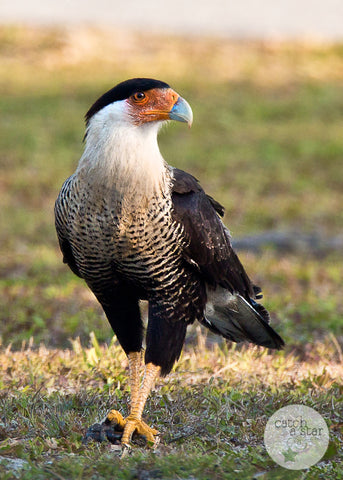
<point x="181" y="112"/>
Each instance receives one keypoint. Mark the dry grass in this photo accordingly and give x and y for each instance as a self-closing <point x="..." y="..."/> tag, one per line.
<point x="267" y="64"/>
<point x="67" y="370"/>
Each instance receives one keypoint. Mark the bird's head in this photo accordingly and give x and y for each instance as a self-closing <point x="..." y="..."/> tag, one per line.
<point x="140" y="101"/>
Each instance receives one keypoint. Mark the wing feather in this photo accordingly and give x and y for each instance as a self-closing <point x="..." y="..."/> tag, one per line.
<point x="208" y="240"/>
<point x="231" y="309"/>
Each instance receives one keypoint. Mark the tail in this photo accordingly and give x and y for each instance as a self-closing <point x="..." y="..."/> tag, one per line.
<point x="233" y="317"/>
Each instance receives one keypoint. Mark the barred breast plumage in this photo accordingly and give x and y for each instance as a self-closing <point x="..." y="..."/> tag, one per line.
<point x="141" y="247"/>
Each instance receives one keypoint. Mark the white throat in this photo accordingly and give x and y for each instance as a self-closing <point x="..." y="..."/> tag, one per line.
<point x="122" y="156"/>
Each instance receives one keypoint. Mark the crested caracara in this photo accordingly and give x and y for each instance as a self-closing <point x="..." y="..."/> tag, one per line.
<point x="135" y="228"/>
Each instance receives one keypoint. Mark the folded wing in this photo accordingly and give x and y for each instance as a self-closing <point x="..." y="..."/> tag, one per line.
<point x="231" y="309"/>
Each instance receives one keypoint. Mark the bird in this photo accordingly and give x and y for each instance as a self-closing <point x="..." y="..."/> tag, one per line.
<point x="135" y="228"/>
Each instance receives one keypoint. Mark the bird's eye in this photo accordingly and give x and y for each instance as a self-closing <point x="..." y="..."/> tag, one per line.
<point x="139" y="97"/>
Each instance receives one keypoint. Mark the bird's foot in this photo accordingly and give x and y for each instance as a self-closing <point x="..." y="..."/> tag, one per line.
<point x="119" y="430"/>
<point x="131" y="425"/>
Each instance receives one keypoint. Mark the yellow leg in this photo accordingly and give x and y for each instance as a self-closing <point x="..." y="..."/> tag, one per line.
<point x="135" y="361"/>
<point x="139" y="396"/>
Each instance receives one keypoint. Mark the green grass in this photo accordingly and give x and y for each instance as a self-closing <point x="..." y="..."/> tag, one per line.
<point x="267" y="143"/>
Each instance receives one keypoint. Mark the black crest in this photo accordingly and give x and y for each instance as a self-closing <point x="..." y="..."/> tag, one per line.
<point x="122" y="91"/>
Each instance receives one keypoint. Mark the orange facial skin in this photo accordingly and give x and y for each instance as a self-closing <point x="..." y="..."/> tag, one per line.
<point x="152" y="105"/>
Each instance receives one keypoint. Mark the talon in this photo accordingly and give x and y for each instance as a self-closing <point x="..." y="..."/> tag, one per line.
<point x="129" y="426"/>
<point x="116" y="418"/>
<point x="141" y="428"/>
<point x="126" y="450"/>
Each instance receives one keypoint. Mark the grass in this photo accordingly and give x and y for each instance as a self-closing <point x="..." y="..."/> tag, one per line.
<point x="208" y="411"/>
<point x="266" y="142"/>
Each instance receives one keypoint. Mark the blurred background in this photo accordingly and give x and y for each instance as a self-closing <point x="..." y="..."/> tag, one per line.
<point x="244" y="19"/>
<point x="264" y="79"/>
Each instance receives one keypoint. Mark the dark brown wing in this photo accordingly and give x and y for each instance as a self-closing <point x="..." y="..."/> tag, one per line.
<point x="208" y="239"/>
<point x="236" y="316"/>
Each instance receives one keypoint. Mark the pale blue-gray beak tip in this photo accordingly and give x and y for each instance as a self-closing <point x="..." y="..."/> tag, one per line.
<point x="182" y="112"/>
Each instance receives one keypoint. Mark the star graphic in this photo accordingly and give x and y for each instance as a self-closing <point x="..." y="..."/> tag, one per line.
<point x="289" y="455"/>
